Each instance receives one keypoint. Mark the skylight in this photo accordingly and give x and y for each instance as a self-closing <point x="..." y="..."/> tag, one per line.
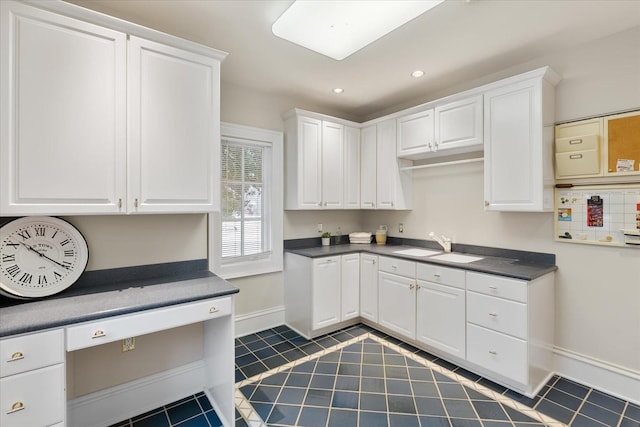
<point x="338" y="29"/>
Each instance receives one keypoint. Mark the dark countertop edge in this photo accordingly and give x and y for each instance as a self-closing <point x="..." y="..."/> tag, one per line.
<point x="112" y="313"/>
<point x="515" y="264"/>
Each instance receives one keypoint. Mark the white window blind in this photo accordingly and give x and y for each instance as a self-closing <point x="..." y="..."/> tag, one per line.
<point x="243" y="200"/>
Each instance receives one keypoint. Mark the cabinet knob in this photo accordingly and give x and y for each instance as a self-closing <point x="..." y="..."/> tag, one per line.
<point x="99" y="334"/>
<point x="16" y="356"/>
<point x="213" y="309"/>
<point x="135" y="203"/>
<point x="17" y="406"/>
<point x="411" y="286"/>
<point x="486" y="203"/>
<point x="435" y="145"/>
<point x="119" y="203"/>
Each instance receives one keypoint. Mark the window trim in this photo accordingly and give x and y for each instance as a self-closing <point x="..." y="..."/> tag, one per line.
<point x="266" y="262"/>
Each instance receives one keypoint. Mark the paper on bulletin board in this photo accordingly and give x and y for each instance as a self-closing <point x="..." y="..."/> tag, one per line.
<point x="599" y="214"/>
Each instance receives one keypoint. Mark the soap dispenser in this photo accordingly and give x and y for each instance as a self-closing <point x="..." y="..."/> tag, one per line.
<point x="381" y="235"/>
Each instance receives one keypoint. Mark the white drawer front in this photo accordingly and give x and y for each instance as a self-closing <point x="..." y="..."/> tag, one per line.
<point x="35" y="398"/>
<point x="439" y="274"/>
<point x="29" y="352"/>
<point x="116" y="328"/>
<point x="397" y="266"/>
<point x="497" y="352"/>
<point x="502" y="315"/>
<point x="497" y="286"/>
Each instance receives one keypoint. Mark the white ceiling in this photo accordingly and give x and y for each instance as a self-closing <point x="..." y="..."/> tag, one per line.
<point x="456" y="42"/>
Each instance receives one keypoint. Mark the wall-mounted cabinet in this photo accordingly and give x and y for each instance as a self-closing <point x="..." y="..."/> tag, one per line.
<point x="320" y="155"/>
<point x="518" y="140"/>
<point x="443" y="129"/>
<point x="106" y="125"/>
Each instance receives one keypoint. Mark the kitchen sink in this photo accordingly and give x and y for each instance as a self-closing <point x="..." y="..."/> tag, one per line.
<point x="416" y="252"/>
<point x="458" y="258"/>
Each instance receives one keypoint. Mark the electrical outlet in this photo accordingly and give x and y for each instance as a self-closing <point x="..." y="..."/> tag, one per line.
<point x="401" y="228"/>
<point x="319" y="227"/>
<point x="128" y="344"/>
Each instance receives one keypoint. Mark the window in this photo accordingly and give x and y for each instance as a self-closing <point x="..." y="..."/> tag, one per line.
<point x="246" y="235"/>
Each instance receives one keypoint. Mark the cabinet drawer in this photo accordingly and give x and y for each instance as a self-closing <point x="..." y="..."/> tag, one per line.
<point x="439" y="274"/>
<point x="115" y="328"/>
<point x="29" y="352"/>
<point x="577" y="143"/>
<point x="502" y="315"/>
<point x="578" y="163"/>
<point x="35" y="398"/>
<point x="497" y="352"/>
<point x="497" y="286"/>
<point x="397" y="266"/>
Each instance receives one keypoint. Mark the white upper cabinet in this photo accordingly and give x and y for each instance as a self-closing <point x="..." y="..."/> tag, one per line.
<point x="174" y="150"/>
<point x="320" y="155"/>
<point x="518" y="140"/>
<point x="415" y="133"/>
<point x="95" y="124"/>
<point x="458" y="125"/>
<point x="394" y="189"/>
<point x="63" y="114"/>
<point x="351" y="167"/>
<point x="442" y="130"/>
<point x="368" y="167"/>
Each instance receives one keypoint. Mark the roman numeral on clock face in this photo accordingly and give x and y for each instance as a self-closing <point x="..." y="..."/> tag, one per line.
<point x="69" y="252"/>
<point x="13" y="270"/>
<point x="42" y="280"/>
<point x="13" y="245"/>
<point x="24" y="234"/>
<point x="65" y="242"/>
<point x="26" y="278"/>
<point x="9" y="258"/>
<point x="40" y="231"/>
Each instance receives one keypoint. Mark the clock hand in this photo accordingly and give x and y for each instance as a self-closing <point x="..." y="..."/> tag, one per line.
<point x="43" y="255"/>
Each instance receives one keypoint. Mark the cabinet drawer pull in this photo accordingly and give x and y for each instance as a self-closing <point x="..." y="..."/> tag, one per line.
<point x="99" y="334"/>
<point x="492" y="287"/>
<point x="575" y="156"/>
<point x="575" y="141"/>
<point x="16" y="356"/>
<point x="213" y="309"/>
<point x="394" y="267"/>
<point x="437" y="276"/>
<point x="493" y="314"/>
<point x="493" y="352"/>
<point x="119" y="203"/>
<point x="18" y="406"/>
<point x="135" y="203"/>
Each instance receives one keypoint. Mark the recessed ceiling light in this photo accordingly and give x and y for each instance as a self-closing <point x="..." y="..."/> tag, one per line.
<point x="339" y="28"/>
<point x="417" y="73"/>
<point x="338" y="90"/>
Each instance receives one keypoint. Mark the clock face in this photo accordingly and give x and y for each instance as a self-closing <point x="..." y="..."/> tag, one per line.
<point x="40" y="256"/>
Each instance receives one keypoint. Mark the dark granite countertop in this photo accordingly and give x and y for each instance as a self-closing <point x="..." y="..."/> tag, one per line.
<point x="104" y="294"/>
<point x="504" y="262"/>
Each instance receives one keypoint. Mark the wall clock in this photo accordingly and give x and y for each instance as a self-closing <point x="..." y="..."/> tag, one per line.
<point x="40" y="256"/>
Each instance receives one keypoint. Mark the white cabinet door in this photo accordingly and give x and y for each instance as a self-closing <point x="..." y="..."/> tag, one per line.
<point x="63" y="114"/>
<point x="350" y="296"/>
<point x="397" y="303"/>
<point x="394" y="187"/>
<point x="174" y="141"/>
<point x="332" y="165"/>
<point x="368" y="167"/>
<point x="351" y="168"/>
<point x="518" y="138"/>
<point x="459" y="124"/>
<point x="326" y="292"/>
<point x="415" y="133"/>
<point x="441" y="317"/>
<point x="369" y="287"/>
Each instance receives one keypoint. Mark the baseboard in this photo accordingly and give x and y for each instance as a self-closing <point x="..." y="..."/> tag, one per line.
<point x="257" y="321"/>
<point x="614" y="380"/>
<point x="109" y="406"/>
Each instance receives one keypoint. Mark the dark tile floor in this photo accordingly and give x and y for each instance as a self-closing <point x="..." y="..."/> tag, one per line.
<point x="564" y="400"/>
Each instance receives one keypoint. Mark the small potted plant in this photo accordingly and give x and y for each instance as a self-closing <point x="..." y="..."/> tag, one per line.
<point x="326" y="238"/>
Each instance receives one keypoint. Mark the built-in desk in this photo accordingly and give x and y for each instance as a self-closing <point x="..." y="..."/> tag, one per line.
<point x="35" y="337"/>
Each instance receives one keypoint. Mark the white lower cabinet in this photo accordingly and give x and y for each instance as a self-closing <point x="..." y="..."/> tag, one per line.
<point x="32" y="381"/>
<point x="350" y="286"/>
<point x="498" y="327"/>
<point x="441" y="308"/>
<point x="369" y="287"/>
<point x="321" y="293"/>
<point x="397" y="296"/>
<point x="510" y="329"/>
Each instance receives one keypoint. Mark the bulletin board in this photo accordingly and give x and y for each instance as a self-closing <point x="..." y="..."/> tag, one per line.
<point x="600" y="214"/>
